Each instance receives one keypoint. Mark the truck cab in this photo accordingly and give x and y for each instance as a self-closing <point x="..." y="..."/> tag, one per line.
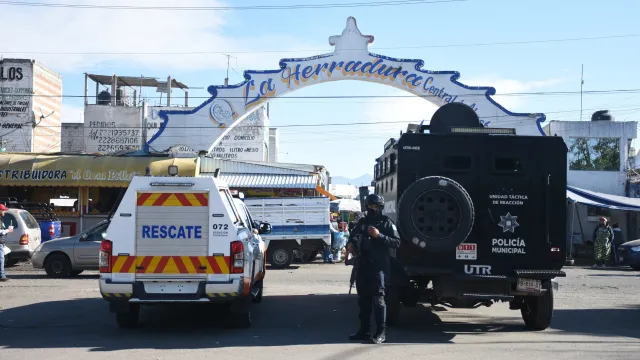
<point x="180" y="240"/>
<point x="481" y="213"/>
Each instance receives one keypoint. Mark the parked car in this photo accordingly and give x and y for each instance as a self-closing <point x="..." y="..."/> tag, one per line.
<point x="629" y="254"/>
<point x="50" y="225"/>
<point x="70" y="256"/>
<point x="24" y="239"/>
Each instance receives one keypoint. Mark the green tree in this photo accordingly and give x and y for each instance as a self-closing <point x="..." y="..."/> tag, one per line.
<point x="580" y="158"/>
<point x="599" y="154"/>
<point x="608" y="154"/>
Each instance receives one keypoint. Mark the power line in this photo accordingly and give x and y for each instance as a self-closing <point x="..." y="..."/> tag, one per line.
<point x="325" y="50"/>
<point x="137" y="127"/>
<point x="231" y="8"/>
<point x="539" y="93"/>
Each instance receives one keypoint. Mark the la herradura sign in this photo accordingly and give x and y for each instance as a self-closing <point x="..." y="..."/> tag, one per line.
<point x="372" y="69"/>
<point x="203" y="127"/>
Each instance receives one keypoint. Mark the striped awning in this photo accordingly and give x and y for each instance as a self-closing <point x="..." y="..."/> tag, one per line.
<point x="270" y="181"/>
<point x="602" y="200"/>
<point x="26" y="169"/>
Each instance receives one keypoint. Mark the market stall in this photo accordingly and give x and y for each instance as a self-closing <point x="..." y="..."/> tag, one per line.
<point x="82" y="189"/>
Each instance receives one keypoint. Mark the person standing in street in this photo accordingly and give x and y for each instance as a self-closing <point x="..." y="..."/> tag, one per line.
<point x="602" y="239"/>
<point x="372" y="239"/>
<point x="618" y="239"/>
<point x="327" y="255"/>
<point x="3" y="240"/>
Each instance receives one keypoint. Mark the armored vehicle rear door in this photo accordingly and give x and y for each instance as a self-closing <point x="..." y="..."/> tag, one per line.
<point x="520" y="202"/>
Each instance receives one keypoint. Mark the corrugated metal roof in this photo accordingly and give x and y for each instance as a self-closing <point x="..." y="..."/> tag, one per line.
<point x="270" y="181"/>
<point x="209" y="165"/>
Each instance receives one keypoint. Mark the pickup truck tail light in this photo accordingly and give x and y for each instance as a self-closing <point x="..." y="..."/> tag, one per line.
<point x="237" y="257"/>
<point x="52" y="230"/>
<point x="104" y="260"/>
<point x="24" y="239"/>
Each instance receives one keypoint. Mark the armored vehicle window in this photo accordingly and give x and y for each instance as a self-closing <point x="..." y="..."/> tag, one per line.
<point x="507" y="164"/>
<point x="392" y="164"/>
<point x="456" y="163"/>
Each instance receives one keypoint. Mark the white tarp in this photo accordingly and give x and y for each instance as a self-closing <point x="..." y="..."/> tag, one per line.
<point x="609" y="201"/>
<point x="346" y="205"/>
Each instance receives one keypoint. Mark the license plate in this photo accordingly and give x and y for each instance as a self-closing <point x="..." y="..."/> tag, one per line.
<point x="529" y="285"/>
<point x="171" y="288"/>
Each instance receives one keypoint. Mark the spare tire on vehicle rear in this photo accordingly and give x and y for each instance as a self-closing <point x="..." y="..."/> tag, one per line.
<point x="436" y="214"/>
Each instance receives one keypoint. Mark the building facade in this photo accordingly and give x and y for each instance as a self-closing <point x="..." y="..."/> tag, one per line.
<point x="249" y="140"/>
<point x="30" y="107"/>
<point x="72" y="138"/>
<point x="274" y="145"/>
<point x="599" y="153"/>
<point x="599" y="157"/>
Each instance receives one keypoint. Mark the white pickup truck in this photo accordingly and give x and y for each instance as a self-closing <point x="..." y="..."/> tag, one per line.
<point x="177" y="240"/>
<point x="297" y="223"/>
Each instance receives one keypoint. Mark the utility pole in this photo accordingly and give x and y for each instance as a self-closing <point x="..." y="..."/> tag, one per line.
<point x="581" y="86"/>
<point x="226" y="80"/>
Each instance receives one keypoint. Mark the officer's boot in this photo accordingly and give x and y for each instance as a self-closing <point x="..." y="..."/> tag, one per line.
<point x="365" y="316"/>
<point x="361" y="335"/>
<point x="380" y="336"/>
<point x="380" y="313"/>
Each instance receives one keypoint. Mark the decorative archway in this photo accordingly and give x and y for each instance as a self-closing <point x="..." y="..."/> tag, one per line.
<point x="203" y="127"/>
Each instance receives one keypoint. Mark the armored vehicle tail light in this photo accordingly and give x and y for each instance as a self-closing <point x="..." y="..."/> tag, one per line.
<point x="556" y="254"/>
<point x="490" y="131"/>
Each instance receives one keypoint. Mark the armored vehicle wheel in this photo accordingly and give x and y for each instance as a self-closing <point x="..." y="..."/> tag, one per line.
<point x="537" y="310"/>
<point x="439" y="214"/>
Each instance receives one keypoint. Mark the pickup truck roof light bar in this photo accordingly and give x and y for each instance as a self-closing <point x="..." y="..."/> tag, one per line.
<point x="176" y="184"/>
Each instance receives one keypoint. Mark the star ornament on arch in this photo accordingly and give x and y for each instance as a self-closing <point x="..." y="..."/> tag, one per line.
<point x="351" y="38"/>
<point x="508" y="223"/>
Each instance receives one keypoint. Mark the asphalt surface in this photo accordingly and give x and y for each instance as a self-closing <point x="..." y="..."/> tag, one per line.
<point x="307" y="314"/>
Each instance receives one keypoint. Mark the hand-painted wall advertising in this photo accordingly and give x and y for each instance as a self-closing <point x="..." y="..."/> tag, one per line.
<point x="247" y="140"/>
<point x="16" y="115"/>
<point x="155" y="122"/>
<point x="110" y="129"/>
<point x="350" y="60"/>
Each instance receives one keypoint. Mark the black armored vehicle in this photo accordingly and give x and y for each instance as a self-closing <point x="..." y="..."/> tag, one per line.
<point x="481" y="214"/>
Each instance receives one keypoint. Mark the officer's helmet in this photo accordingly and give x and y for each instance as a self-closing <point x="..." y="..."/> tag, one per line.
<point x="374" y="200"/>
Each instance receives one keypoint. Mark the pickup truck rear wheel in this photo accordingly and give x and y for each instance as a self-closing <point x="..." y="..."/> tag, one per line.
<point x="280" y="256"/>
<point x="538" y="310"/>
<point x="439" y="214"/>
<point x="57" y="266"/>
<point x="258" y="289"/>
<point x="239" y="315"/>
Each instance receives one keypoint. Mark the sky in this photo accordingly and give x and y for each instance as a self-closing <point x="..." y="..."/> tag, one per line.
<point x="458" y="35"/>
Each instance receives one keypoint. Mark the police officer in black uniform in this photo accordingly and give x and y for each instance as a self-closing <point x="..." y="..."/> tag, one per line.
<point x="373" y="239"/>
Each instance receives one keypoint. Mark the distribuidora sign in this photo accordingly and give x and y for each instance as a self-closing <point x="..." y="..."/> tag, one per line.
<point x="350" y="60"/>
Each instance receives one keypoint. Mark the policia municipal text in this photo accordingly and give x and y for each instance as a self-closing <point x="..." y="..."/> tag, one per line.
<point x="372" y="240"/>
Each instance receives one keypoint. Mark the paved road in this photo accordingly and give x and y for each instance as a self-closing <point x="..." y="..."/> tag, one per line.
<point x="307" y="314"/>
